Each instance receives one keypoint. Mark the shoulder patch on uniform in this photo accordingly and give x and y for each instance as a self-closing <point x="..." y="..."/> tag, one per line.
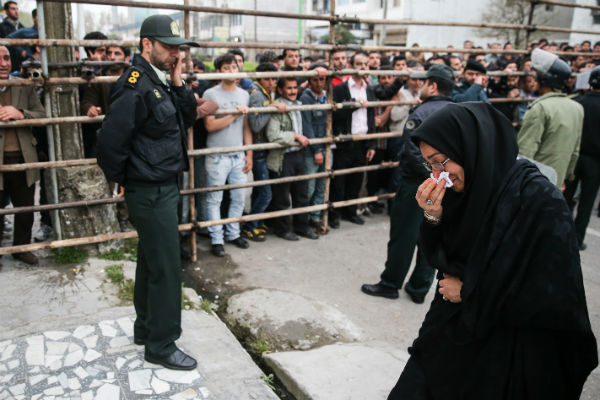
<point x="157" y="94"/>
<point x="410" y="124"/>
<point x="134" y="76"/>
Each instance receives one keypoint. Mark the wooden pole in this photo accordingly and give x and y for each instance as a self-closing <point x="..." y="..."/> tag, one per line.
<point x="183" y="227"/>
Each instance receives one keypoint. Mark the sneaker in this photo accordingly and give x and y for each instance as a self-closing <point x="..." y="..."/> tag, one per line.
<point x="218" y="250"/>
<point x="26" y="257"/>
<point x="264" y="229"/>
<point x="124" y="225"/>
<point x="43" y="234"/>
<point x="239" y="242"/>
<point x="256" y="235"/>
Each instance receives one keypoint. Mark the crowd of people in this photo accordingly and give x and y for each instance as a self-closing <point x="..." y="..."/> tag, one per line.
<point x="463" y="78"/>
<point x="498" y="231"/>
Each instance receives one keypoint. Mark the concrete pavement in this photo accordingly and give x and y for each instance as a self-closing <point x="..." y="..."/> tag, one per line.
<point x="66" y="335"/>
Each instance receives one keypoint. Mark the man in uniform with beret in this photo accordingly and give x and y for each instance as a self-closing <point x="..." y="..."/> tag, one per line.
<point x="142" y="146"/>
<point x="473" y="84"/>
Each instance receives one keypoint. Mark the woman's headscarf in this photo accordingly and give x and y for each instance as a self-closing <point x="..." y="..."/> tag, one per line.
<point x="482" y="141"/>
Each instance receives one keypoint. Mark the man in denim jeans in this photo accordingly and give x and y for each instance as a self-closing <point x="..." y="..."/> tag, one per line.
<point x="261" y="95"/>
<point x="227" y="131"/>
<point x="314" y="124"/>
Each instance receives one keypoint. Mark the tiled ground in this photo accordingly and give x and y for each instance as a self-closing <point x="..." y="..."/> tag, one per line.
<point x="90" y="362"/>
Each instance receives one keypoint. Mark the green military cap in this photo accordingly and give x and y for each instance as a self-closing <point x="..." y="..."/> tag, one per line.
<point x="441" y="71"/>
<point x="164" y="29"/>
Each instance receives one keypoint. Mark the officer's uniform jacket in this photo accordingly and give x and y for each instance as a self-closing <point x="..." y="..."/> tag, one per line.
<point x="142" y="138"/>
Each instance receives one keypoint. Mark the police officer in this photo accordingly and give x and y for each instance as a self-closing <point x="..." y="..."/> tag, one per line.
<point x="141" y="146"/>
<point x="405" y="214"/>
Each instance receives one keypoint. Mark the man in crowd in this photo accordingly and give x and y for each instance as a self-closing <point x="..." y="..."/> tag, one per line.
<point x="373" y="65"/>
<point x="11" y="21"/>
<point x="291" y="62"/>
<point x="378" y="180"/>
<point x="245" y="83"/>
<point x="473" y="84"/>
<point x="142" y="147"/>
<point x="226" y="131"/>
<point x="286" y="128"/>
<point x="17" y="146"/>
<point x="587" y="170"/>
<point x="95" y="53"/>
<point x="352" y="153"/>
<point x="261" y="95"/>
<point x="405" y="213"/>
<point x="340" y="61"/>
<point x="314" y="125"/>
<point x="551" y="131"/>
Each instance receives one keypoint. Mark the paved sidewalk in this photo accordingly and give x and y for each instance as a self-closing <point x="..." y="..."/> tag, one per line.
<point x="64" y="335"/>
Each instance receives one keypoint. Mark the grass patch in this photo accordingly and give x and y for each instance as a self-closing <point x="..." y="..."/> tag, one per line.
<point x="113" y="255"/>
<point x="186" y="303"/>
<point x="206" y="305"/>
<point x="115" y="273"/>
<point x="269" y="380"/>
<point x="261" y="345"/>
<point x="130" y="248"/>
<point x="68" y="255"/>
<point x="126" y="290"/>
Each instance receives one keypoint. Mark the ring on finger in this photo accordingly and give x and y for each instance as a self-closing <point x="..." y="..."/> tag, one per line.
<point x="429" y="202"/>
<point x="445" y="298"/>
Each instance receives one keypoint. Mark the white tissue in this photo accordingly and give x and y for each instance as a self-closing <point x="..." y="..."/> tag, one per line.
<point x="445" y="176"/>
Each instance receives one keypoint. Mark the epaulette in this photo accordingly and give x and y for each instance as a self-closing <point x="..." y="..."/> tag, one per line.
<point x="133" y="78"/>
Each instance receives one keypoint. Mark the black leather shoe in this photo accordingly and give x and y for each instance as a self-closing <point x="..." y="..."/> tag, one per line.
<point x="239" y="242"/>
<point x="26" y="257"/>
<point x="218" y="250"/>
<point x="291" y="236"/>
<point x="178" y="360"/>
<point x="139" y="341"/>
<point x="334" y="223"/>
<point x="415" y="299"/>
<point x="355" y="219"/>
<point x="308" y="234"/>
<point x="582" y="246"/>
<point x="380" y="290"/>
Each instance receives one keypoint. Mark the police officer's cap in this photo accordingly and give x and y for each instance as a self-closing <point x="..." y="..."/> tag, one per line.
<point x="441" y="71"/>
<point x="164" y="29"/>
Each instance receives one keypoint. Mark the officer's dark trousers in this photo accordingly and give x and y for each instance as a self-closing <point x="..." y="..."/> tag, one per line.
<point x="405" y="222"/>
<point x="293" y="165"/>
<point x="347" y="187"/>
<point x="587" y="172"/>
<point x="157" y="295"/>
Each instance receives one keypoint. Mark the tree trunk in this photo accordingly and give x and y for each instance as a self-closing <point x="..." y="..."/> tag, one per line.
<point x="74" y="183"/>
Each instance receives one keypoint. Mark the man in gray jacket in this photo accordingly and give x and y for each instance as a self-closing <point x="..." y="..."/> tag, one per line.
<point x="261" y="95"/>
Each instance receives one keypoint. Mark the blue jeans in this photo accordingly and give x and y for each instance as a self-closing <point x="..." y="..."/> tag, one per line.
<point x="261" y="195"/>
<point x="316" y="187"/>
<point x="221" y="169"/>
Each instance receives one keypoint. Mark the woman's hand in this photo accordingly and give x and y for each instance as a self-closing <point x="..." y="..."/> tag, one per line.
<point x="430" y="195"/>
<point x="450" y="288"/>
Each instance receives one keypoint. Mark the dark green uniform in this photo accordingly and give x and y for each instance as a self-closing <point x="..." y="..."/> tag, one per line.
<point x="142" y="146"/>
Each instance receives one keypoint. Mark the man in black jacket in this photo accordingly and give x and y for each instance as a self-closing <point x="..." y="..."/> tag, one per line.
<point x="405" y="214"/>
<point x="11" y="21"/>
<point x="142" y="146"/>
<point x="587" y="170"/>
<point x="352" y="153"/>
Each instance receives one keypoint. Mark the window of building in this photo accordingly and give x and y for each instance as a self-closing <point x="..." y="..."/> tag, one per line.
<point x="235" y="20"/>
<point x="596" y="14"/>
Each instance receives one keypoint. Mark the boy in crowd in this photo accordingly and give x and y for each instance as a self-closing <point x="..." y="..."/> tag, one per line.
<point x="226" y="131"/>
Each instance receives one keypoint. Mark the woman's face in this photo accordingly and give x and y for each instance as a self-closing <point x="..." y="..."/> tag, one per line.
<point x="457" y="173"/>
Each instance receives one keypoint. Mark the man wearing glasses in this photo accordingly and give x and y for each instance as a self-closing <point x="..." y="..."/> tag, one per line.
<point x="405" y="214"/>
